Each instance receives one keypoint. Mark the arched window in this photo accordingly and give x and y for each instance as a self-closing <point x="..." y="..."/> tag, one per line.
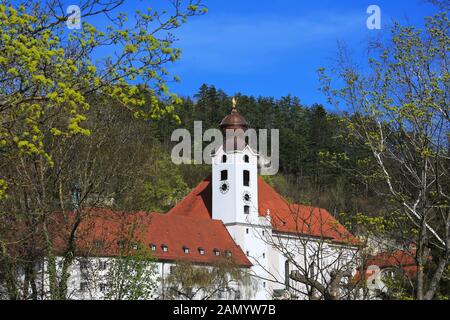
<point x="246" y="159"/>
<point x="224" y="158"/>
<point x="246" y="178"/>
<point x="223" y="175"/>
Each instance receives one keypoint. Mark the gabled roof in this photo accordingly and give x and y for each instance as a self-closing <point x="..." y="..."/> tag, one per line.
<point x="102" y="231"/>
<point x="398" y="260"/>
<point x="285" y="217"/>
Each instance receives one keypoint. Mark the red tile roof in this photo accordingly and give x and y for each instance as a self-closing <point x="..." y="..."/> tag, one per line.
<point x="189" y="225"/>
<point x="399" y="259"/>
<point x="101" y="230"/>
<point x="285" y="217"/>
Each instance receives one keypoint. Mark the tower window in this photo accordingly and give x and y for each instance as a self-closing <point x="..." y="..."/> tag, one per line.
<point x="247" y="230"/>
<point x="247" y="209"/>
<point x="224" y="158"/>
<point x="246" y="178"/>
<point x="246" y="159"/>
<point x="223" y="175"/>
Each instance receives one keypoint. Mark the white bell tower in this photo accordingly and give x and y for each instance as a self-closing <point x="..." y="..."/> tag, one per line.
<point x="235" y="198"/>
<point x="235" y="176"/>
<point x="235" y="186"/>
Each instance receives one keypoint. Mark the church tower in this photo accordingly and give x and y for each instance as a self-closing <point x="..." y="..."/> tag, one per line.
<point x="235" y="197"/>
<point x="235" y="174"/>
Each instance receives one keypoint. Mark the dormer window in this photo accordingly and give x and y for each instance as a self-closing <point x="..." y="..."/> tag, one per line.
<point x="152" y="246"/>
<point x="121" y="244"/>
<point x="228" y="253"/>
<point x="201" y="251"/>
<point x="98" y="244"/>
<point x="223" y="175"/>
<point x="224" y="158"/>
<point x="164" y="248"/>
<point x="216" y="252"/>
<point x="246" y="159"/>
<point x="246" y="178"/>
<point x="186" y="250"/>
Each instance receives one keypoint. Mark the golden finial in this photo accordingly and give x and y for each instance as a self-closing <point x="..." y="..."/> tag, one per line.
<point x="234" y="102"/>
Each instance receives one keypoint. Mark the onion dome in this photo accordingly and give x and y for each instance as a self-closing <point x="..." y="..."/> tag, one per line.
<point x="233" y="127"/>
<point x="234" y="120"/>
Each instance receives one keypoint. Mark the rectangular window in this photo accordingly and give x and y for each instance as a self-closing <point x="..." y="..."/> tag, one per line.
<point x="247" y="209"/>
<point x="83" y="286"/>
<point x="224" y="175"/>
<point x="84" y="275"/>
<point x="246" y="178"/>
<point x="102" y="265"/>
<point x="84" y="264"/>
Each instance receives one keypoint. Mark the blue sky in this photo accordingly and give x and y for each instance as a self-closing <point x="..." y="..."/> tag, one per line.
<point x="274" y="48"/>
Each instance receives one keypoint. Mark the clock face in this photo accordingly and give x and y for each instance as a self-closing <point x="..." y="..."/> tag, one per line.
<point x="224" y="187"/>
<point x="246" y="197"/>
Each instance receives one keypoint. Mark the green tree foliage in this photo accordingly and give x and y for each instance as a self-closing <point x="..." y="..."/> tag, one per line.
<point x="59" y="110"/>
<point x="132" y="275"/>
<point x="400" y="118"/>
<point x="188" y="281"/>
<point x="48" y="73"/>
